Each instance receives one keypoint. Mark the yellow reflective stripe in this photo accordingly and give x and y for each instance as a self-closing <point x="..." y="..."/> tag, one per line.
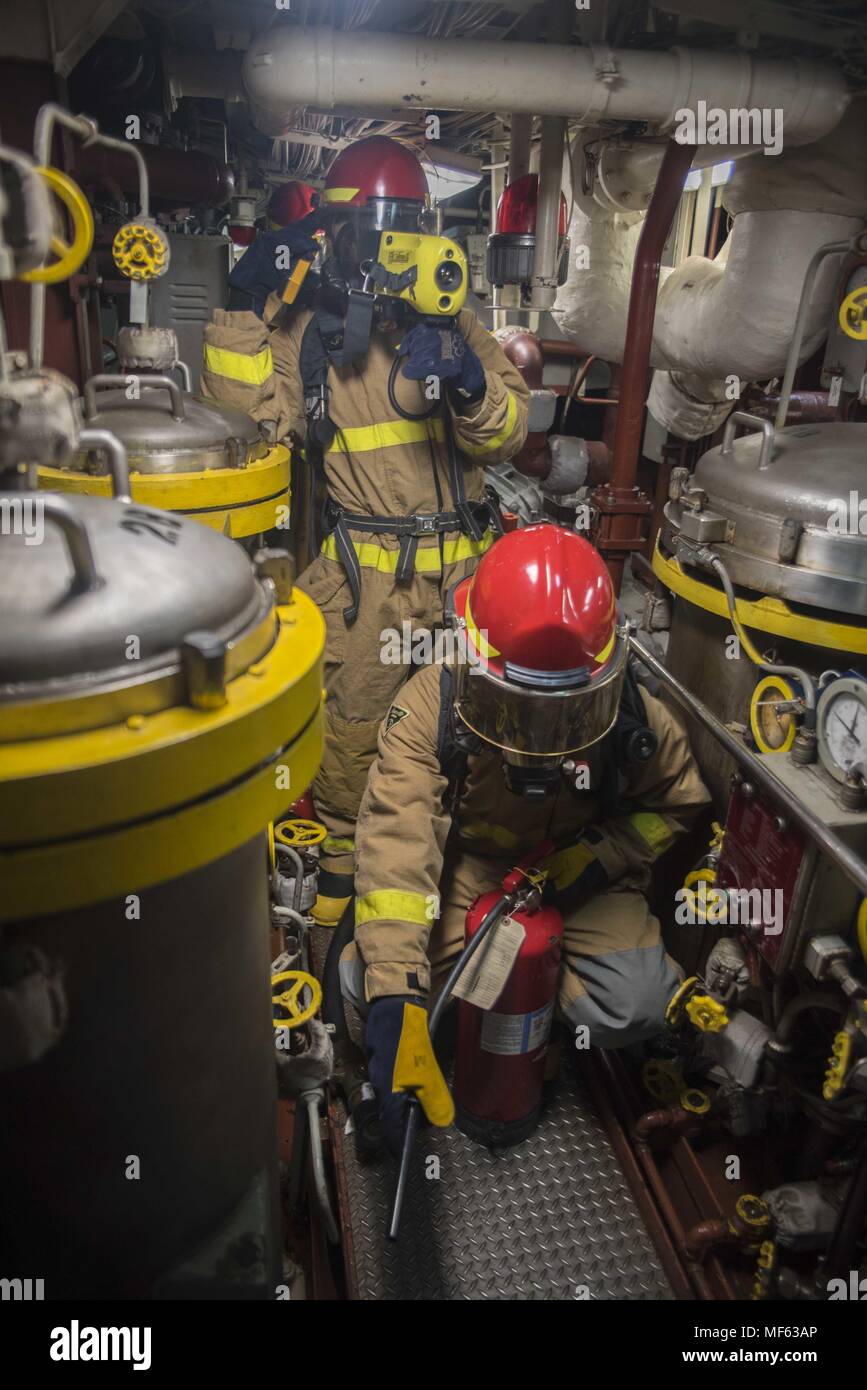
<point x="333" y="845"/>
<point x="480" y="639"/>
<point x="394" y="904"/>
<point x="427" y="560"/>
<point x="251" y="368"/>
<point x="606" y="651"/>
<point x="567" y="865"/>
<point x="389" y="434"/>
<point x="497" y="834"/>
<point x="654" y="831"/>
<point x="338" y="195"/>
<point x="500" y="437"/>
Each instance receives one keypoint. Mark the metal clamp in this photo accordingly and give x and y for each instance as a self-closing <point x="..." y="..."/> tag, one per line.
<point x="425" y="524"/>
<point x="104" y="383"/>
<point x="753" y="422"/>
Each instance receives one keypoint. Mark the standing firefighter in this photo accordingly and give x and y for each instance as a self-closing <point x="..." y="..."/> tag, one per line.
<point x="536" y="733"/>
<point x="398" y="427"/>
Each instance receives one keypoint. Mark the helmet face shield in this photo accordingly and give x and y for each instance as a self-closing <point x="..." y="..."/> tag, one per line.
<point x="530" y="722"/>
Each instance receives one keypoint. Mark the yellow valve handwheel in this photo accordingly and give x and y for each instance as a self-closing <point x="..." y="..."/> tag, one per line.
<point x="70" y="255"/>
<point x="674" y="1011"/>
<point x="299" y="834"/>
<point x="861" y="928"/>
<point x="853" y="314"/>
<point x="838" y="1065"/>
<point x="773" y="732"/>
<point x="695" y="1101"/>
<point x="140" y="251"/>
<point x="707" y="1014"/>
<point x="663" y="1080"/>
<point x="752" y="1211"/>
<point x="288" y="998"/>
<point x="272" y="852"/>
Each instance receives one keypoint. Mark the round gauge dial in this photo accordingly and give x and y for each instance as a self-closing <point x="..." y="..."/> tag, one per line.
<point x="773" y="725"/>
<point x="841" y="728"/>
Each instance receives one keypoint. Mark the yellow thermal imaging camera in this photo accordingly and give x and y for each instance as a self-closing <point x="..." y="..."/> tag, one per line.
<point x="429" y="273"/>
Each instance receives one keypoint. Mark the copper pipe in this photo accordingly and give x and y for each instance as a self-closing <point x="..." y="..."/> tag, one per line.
<point x="560" y="349"/>
<point x="701" y="1238"/>
<point x="805" y="407"/>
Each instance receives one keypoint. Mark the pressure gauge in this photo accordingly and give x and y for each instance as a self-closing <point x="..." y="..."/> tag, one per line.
<point x="841" y="728"/>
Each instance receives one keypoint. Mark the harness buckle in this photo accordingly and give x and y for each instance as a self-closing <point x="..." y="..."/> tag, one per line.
<point x="425" y="524"/>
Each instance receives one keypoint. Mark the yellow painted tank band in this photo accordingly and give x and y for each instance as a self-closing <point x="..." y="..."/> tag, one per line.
<point x="251" y="498"/>
<point x="62" y="877"/>
<point x="764" y="614"/>
<point x="150" y="766"/>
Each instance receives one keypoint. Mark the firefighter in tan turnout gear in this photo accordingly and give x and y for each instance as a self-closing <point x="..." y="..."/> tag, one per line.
<point x="534" y="732"/>
<point x="398" y="461"/>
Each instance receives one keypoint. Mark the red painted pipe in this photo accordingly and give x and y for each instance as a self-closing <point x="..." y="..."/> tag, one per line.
<point x="181" y="177"/>
<point x="642" y="310"/>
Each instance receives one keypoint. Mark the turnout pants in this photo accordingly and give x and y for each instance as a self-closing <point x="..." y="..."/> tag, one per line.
<point x="615" y="978"/>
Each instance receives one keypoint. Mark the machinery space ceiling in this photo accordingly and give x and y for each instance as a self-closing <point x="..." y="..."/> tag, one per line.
<point x="835" y="30"/>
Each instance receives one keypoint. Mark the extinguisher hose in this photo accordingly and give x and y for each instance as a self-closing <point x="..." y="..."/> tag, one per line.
<point x="489" y="921"/>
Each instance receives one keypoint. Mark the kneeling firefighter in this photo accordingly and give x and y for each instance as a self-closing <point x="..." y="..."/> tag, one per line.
<point x="534" y="733"/>
<point x="398" y="462"/>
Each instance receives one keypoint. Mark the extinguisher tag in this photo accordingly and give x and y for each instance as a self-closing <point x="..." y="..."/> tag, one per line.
<point x="511" y="1034"/>
<point x="485" y="977"/>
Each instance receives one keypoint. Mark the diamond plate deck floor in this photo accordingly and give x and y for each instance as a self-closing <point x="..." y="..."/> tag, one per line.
<point x="547" y="1219"/>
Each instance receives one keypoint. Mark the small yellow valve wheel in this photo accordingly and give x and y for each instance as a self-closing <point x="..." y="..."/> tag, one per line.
<point x="853" y="314"/>
<point x="140" y="251"/>
<point x="289" y="1000"/>
<point x="674" y="1012"/>
<point x="695" y="1101"/>
<point x="299" y="834"/>
<point x="773" y="732"/>
<point x="663" y="1080"/>
<point x="707" y="1014"/>
<point x="272" y="852"/>
<point x="753" y="1212"/>
<point x="838" y="1065"/>
<point x="70" y="255"/>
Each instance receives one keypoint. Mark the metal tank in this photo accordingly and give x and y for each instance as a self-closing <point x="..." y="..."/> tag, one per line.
<point x="160" y="702"/>
<point x="188" y="455"/>
<point x="776" y="507"/>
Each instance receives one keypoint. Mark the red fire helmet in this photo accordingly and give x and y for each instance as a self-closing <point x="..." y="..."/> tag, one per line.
<point x="290" y="202"/>
<point x="375" y="168"/>
<point x="546" y="653"/>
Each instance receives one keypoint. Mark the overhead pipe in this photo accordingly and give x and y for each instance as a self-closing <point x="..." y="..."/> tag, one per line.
<point x="620" y="504"/>
<point x="288" y="67"/>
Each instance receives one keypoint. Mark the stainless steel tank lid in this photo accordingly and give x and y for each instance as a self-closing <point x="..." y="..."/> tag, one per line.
<point x="809" y="469"/>
<point x="110" y="608"/>
<point x="777" y="507"/>
<point x="167" y="430"/>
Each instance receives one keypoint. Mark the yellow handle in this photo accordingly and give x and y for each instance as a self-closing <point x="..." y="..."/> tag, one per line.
<point x="853" y="314"/>
<point x="70" y="255"/>
<point x="288" y="998"/>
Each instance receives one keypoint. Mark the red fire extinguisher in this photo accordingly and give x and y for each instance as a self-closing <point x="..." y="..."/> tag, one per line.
<point x="500" y="1058"/>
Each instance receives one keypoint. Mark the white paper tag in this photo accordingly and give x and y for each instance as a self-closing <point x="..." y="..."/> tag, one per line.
<point x="834" y="390"/>
<point x="485" y="977"/>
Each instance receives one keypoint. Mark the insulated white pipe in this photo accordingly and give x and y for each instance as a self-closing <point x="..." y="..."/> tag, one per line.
<point x="322" y="67"/>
